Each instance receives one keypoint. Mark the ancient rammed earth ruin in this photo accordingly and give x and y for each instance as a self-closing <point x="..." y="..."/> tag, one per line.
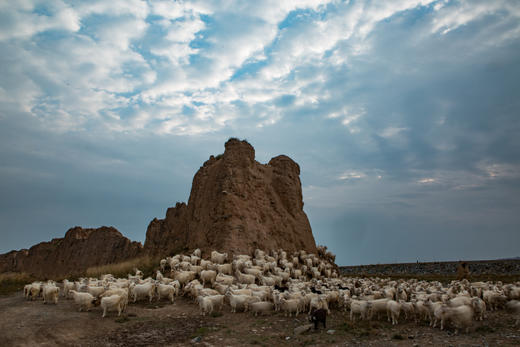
<point x="236" y="205"/>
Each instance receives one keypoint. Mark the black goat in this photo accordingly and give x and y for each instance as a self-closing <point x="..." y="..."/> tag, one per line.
<point x="318" y="316"/>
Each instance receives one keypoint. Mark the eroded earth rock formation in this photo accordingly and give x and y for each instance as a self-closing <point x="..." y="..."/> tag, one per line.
<point x="72" y="254"/>
<point x="237" y="205"/>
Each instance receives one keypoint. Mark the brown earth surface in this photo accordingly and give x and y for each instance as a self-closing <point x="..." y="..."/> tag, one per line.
<point x="32" y="323"/>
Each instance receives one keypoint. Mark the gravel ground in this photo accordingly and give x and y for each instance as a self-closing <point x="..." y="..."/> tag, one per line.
<point x="31" y="323"/>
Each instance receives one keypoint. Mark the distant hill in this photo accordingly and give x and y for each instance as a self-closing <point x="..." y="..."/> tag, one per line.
<point x="477" y="267"/>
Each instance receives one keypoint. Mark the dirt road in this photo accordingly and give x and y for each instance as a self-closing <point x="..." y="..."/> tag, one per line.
<point x="31" y="323"/>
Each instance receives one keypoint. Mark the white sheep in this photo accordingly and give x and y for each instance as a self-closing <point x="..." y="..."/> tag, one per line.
<point x="514" y="307"/>
<point x="224" y="279"/>
<point x="123" y="292"/>
<point x="35" y="290"/>
<point x="434" y="311"/>
<point x="421" y="310"/>
<point x="459" y="301"/>
<point x="493" y="299"/>
<point x="83" y="300"/>
<point x="205" y="305"/>
<point x="142" y="290"/>
<point x="290" y="306"/>
<point x="460" y="316"/>
<point x="191" y="288"/>
<point x="245" y="278"/>
<point x="197" y="253"/>
<point x="217" y="300"/>
<point x="259" y="254"/>
<point x="184" y="276"/>
<point x="95" y="291"/>
<point x="166" y="290"/>
<point x="194" y="260"/>
<point x="407" y="308"/>
<point x="27" y="291"/>
<point x="50" y="293"/>
<point x="218" y="258"/>
<point x="253" y="271"/>
<point x="393" y="308"/>
<point x="205" y="264"/>
<point x="267" y="281"/>
<point x="66" y="287"/>
<point x="205" y="291"/>
<point x="377" y="307"/>
<point x="358" y="307"/>
<point x="162" y="264"/>
<point x="196" y="268"/>
<point x="237" y="301"/>
<point x="113" y="302"/>
<point x="479" y="306"/>
<point x="220" y="288"/>
<point x="225" y="269"/>
<point x="208" y="276"/>
<point x="317" y="302"/>
<point x="261" y="307"/>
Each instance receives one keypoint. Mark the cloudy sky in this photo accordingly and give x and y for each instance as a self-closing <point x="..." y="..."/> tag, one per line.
<point x="403" y="115"/>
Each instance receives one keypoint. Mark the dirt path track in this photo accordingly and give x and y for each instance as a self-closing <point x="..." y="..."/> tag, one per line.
<point x="31" y="323"/>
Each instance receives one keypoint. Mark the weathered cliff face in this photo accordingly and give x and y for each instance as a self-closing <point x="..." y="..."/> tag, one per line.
<point x="73" y="254"/>
<point x="237" y="205"/>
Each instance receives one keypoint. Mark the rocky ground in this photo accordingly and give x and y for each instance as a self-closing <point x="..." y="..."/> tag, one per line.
<point x="477" y="268"/>
<point x="31" y="323"/>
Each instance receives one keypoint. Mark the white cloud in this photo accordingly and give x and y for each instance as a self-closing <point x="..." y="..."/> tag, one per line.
<point x="500" y="170"/>
<point x="20" y="22"/>
<point x="168" y="9"/>
<point x="457" y="14"/>
<point x="114" y="8"/>
<point x="391" y="132"/>
<point x="351" y="175"/>
<point x="154" y="58"/>
<point x="427" y="180"/>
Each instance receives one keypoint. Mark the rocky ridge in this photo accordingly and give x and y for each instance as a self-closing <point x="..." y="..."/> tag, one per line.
<point x="236" y="205"/>
<point x="72" y="254"/>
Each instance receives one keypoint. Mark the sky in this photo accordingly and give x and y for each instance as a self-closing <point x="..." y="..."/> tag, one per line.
<point x="404" y="116"/>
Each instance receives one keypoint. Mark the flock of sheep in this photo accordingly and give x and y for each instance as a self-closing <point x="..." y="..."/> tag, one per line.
<point x="295" y="283"/>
